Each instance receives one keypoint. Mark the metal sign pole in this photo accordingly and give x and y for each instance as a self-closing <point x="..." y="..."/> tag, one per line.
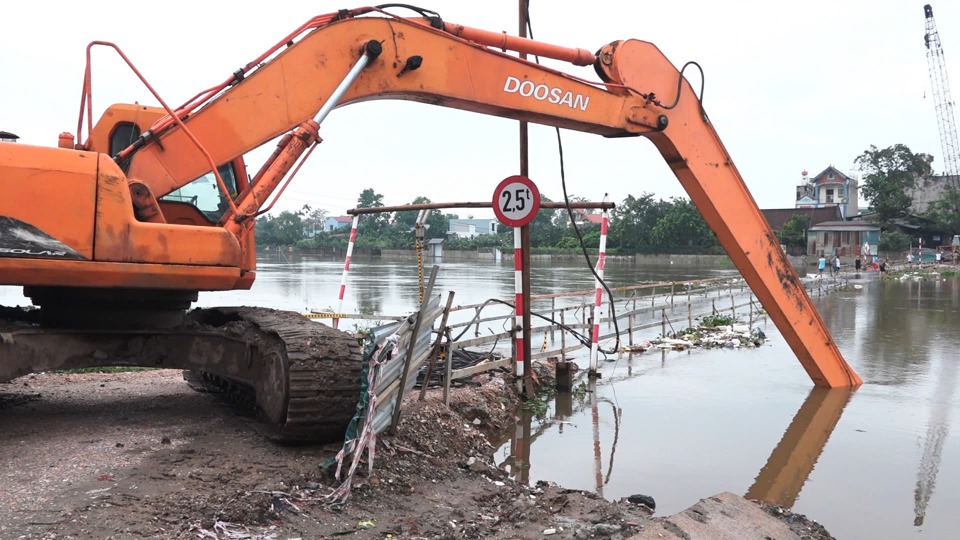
<point x="528" y="388"/>
<point x="516" y="201"/>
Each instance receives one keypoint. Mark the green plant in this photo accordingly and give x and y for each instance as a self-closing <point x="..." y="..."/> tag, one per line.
<point x="717" y="319"/>
<point x="579" y="392"/>
<point x="538" y="404"/>
<point x="894" y="241"/>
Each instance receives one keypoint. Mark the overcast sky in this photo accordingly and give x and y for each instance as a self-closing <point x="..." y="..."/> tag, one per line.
<point x="789" y="86"/>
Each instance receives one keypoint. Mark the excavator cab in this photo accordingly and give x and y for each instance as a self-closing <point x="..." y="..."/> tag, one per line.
<point x="200" y="202"/>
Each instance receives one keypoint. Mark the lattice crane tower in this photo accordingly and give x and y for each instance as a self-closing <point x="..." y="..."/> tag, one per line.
<point x="941" y="96"/>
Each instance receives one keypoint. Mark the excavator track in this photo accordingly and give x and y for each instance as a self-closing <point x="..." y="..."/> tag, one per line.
<point x="302" y="377"/>
<point x="308" y="383"/>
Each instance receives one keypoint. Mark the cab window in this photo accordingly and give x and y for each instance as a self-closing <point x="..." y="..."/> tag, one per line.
<point x="122" y="136"/>
<point x="205" y="194"/>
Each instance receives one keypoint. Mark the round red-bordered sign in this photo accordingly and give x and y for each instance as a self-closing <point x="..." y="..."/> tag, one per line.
<point x="516" y="201"/>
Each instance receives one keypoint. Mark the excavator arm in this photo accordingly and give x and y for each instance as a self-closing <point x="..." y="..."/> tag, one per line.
<point x="451" y="72"/>
<point x="425" y="60"/>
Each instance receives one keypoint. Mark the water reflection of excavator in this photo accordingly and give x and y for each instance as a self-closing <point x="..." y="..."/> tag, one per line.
<point x="791" y="462"/>
<point x="794" y="458"/>
<point x="104" y="236"/>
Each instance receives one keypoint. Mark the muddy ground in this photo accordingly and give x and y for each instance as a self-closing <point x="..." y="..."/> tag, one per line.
<point x="141" y="455"/>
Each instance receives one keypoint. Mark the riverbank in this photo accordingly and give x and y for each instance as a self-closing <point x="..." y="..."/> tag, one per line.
<point x="803" y="264"/>
<point x="139" y="455"/>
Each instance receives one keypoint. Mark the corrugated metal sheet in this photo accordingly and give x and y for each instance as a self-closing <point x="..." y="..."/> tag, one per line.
<point x="390" y="371"/>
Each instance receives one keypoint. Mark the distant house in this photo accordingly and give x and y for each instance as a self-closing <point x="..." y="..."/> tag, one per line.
<point x="468" y="228"/>
<point x="929" y="189"/>
<point x="829" y="188"/>
<point x="842" y="238"/>
<point x="586" y="218"/>
<point x="435" y="248"/>
<point x="916" y="227"/>
<point x="338" y="222"/>
<point x="6" y="136"/>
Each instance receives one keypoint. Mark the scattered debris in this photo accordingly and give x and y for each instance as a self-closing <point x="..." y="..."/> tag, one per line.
<point x="710" y="335"/>
<point x="462" y="358"/>
<point x="645" y="500"/>
<point x="221" y="530"/>
<point x="924" y="274"/>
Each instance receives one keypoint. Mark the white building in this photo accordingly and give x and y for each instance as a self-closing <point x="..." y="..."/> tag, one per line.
<point x="830" y="188"/>
<point x="468" y="228"/>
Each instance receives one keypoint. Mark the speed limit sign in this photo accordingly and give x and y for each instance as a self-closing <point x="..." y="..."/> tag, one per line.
<point x="516" y="201"/>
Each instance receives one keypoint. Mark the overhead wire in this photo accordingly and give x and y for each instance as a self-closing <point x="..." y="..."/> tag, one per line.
<point x="573" y="221"/>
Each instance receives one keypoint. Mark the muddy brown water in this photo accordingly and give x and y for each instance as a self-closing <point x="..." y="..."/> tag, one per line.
<point x="880" y="462"/>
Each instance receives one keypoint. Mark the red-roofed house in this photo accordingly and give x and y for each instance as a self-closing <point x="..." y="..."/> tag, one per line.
<point x="338" y="222"/>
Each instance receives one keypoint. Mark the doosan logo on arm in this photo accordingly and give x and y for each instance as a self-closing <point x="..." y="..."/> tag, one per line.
<point x="542" y="92"/>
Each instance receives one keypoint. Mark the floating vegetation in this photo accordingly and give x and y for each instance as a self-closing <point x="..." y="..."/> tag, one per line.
<point x="714" y="332"/>
<point x="921" y="274"/>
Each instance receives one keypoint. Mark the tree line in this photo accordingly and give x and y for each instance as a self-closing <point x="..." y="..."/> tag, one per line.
<point x="641" y="224"/>
<point x="637" y="225"/>
<point x="891" y="176"/>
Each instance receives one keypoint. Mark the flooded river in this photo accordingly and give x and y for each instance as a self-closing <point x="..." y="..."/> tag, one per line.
<point x="880" y="462"/>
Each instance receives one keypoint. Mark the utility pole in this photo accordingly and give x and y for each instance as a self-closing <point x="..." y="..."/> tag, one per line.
<point x="528" y="389"/>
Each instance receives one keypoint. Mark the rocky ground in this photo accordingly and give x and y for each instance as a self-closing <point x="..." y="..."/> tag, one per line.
<point x="140" y="455"/>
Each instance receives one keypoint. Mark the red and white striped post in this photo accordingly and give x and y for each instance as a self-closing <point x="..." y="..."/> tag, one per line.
<point x="516" y="201"/>
<point x="598" y="312"/>
<point x="346" y="268"/>
<point x="518" y="301"/>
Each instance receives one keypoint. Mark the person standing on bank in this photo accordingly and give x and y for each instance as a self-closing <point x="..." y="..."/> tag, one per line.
<point x="821" y="264"/>
<point x="856" y="264"/>
<point x="836" y="264"/>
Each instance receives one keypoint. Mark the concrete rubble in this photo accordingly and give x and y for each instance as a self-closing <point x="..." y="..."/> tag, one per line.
<point x="726" y="516"/>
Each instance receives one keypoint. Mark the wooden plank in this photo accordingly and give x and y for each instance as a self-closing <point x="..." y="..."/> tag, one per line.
<point x="555" y="352"/>
<point x="480" y="368"/>
<point x="485" y="340"/>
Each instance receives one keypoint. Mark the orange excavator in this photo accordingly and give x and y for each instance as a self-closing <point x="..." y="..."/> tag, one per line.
<point x="155" y="204"/>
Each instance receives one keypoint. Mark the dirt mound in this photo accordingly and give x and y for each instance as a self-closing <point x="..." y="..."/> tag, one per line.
<point x="140" y="455"/>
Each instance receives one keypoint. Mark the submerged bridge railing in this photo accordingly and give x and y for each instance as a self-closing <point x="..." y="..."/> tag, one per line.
<point x="563" y="321"/>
